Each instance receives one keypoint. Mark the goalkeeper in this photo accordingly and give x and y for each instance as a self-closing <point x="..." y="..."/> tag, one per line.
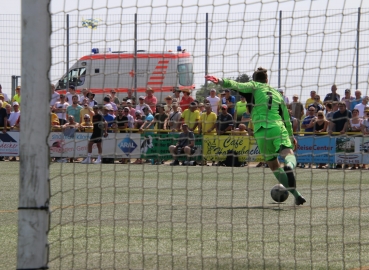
<point x="272" y="126"/>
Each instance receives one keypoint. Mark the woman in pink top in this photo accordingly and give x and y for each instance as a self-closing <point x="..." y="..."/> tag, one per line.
<point x="150" y="99"/>
<point x="186" y="100"/>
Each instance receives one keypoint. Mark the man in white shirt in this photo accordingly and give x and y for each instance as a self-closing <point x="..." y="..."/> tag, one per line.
<point x="71" y="92"/>
<point x="54" y="95"/>
<point x="214" y="101"/>
<point x="362" y="106"/>
<point x="15" y="114"/>
<point x="61" y="109"/>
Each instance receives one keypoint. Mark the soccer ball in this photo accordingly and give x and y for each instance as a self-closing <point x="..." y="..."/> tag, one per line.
<point x="279" y="193"/>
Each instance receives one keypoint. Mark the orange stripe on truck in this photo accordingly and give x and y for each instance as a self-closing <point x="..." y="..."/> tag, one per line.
<point x="157" y="78"/>
<point x="130" y="55"/>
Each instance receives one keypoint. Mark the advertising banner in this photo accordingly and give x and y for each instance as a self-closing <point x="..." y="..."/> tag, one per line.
<point x="315" y="149"/>
<point x="352" y="150"/>
<point x="217" y="147"/>
<point x="9" y="144"/>
<point x="156" y="146"/>
<point x="118" y="145"/>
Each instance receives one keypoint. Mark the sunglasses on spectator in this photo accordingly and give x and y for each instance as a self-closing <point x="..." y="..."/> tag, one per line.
<point x="320" y="114"/>
<point x="223" y="109"/>
<point x="126" y="111"/>
<point x="316" y="98"/>
<point x="86" y="118"/>
<point x="120" y="111"/>
<point x="311" y="110"/>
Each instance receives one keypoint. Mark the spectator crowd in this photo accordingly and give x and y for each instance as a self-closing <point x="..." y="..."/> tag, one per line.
<point x="217" y="114"/>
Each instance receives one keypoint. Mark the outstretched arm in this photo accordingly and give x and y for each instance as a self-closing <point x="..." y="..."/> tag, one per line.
<point x="248" y="87"/>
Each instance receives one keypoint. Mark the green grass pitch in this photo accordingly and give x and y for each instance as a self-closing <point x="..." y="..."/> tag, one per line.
<point x="162" y="217"/>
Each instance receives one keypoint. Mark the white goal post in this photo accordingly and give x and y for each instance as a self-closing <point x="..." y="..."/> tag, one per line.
<point x="33" y="219"/>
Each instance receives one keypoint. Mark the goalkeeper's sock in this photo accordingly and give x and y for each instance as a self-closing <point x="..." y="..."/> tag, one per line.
<point x="290" y="161"/>
<point x="281" y="176"/>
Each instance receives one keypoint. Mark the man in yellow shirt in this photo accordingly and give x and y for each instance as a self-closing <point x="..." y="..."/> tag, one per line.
<point x="86" y="109"/>
<point x="17" y="96"/>
<point x="240" y="109"/>
<point x="311" y="100"/>
<point x="208" y="121"/>
<point x="2" y="98"/>
<point x="191" y="117"/>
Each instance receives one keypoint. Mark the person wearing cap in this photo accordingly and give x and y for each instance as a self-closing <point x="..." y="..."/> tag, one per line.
<point x="228" y="100"/>
<point x="285" y="98"/>
<point x="141" y="103"/>
<point x="131" y="109"/>
<point x="362" y="106"/>
<point x="91" y="100"/>
<point x="150" y="99"/>
<point x="86" y="109"/>
<point x="333" y="96"/>
<point x="6" y="98"/>
<point x="108" y="114"/>
<point x="174" y="119"/>
<point x="224" y="121"/>
<point x="208" y="120"/>
<point x="311" y="100"/>
<point x="168" y="104"/>
<point x="114" y="98"/>
<point x="177" y="94"/>
<point x="214" y="100"/>
<point x="358" y="99"/>
<point x="17" y="96"/>
<point x="100" y="130"/>
<point x="191" y="117"/>
<point x="86" y="125"/>
<point x="186" y="100"/>
<point x="74" y="109"/>
<point x="54" y="95"/>
<point x="272" y="128"/>
<point x="185" y="145"/>
<point x="348" y="99"/>
<point x="2" y="99"/>
<point x="71" y="92"/>
<point x="14" y="115"/>
<point x="60" y="108"/>
<point x="297" y="110"/>
<point x="149" y="118"/>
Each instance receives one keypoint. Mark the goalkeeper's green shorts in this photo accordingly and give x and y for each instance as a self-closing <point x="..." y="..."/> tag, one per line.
<point x="271" y="140"/>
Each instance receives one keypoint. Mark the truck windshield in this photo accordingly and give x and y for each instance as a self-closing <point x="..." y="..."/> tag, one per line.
<point x="76" y="77"/>
<point x="185" y="74"/>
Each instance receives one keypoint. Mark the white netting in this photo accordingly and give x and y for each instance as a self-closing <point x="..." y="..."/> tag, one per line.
<point x="123" y="216"/>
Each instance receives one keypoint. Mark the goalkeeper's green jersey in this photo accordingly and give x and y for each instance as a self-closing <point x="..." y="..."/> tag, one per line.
<point x="269" y="109"/>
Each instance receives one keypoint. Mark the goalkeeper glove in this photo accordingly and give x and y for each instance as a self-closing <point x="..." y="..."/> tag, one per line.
<point x="212" y="79"/>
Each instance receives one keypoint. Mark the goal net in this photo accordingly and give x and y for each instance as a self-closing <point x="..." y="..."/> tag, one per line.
<point x="151" y="215"/>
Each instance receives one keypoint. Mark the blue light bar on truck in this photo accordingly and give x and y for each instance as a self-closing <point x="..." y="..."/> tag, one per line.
<point x="95" y="50"/>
